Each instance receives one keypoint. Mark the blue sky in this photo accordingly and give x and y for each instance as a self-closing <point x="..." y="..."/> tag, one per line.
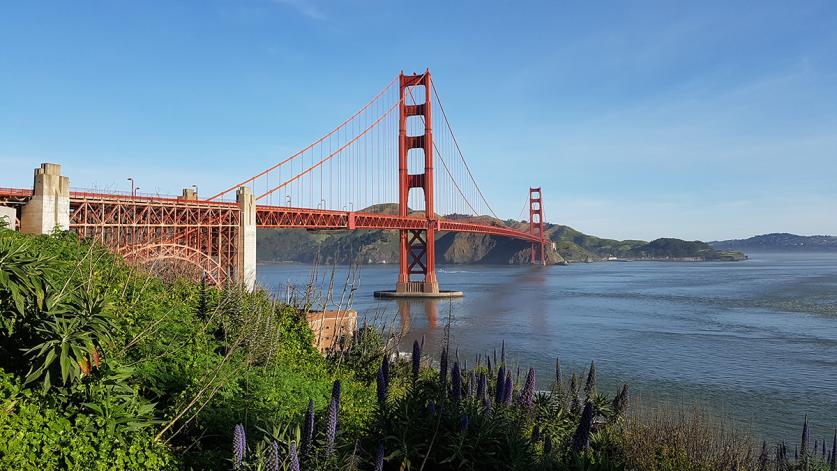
<point x="700" y="120"/>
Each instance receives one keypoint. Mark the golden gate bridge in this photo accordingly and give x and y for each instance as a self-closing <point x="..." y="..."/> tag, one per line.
<point x="388" y="151"/>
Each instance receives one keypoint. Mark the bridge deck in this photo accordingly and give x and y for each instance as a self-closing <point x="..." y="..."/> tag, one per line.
<point x="273" y="216"/>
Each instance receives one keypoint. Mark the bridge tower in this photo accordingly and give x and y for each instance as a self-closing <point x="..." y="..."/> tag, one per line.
<point x="536" y="221"/>
<point x="417" y="254"/>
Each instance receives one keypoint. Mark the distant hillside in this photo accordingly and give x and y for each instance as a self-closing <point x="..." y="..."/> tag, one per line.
<point x="570" y="245"/>
<point x="779" y="242"/>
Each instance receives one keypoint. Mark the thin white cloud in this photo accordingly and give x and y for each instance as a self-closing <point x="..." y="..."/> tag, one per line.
<point x="305" y="8"/>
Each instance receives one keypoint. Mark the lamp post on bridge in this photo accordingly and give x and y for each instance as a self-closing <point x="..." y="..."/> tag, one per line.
<point x="131" y="179"/>
<point x="288" y="199"/>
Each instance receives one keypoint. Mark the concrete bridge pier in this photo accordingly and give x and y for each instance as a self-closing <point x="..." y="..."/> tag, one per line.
<point x="246" y="238"/>
<point x="49" y="207"/>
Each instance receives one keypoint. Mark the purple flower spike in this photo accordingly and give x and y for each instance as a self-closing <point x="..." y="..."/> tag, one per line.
<point x="581" y="441"/>
<point x="499" y="391"/>
<point x="271" y="463"/>
<point x="293" y="457"/>
<point x="527" y="397"/>
<point x="331" y="428"/>
<point x="431" y="408"/>
<point x="443" y="371"/>
<point x="382" y="387"/>
<point x="456" y="382"/>
<point x="482" y="386"/>
<point x="379" y="458"/>
<point x="508" y="389"/>
<point x="385" y="369"/>
<point x="308" y="430"/>
<point x="239" y="446"/>
<point x="465" y="422"/>
<point x="472" y="384"/>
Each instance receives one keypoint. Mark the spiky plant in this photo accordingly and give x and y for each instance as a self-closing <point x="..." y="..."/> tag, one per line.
<point x="456" y="383"/>
<point x="381" y="383"/>
<point x="527" y="396"/>
<point x="472" y="384"/>
<point x="416" y="360"/>
<point x="508" y="389"/>
<point x="336" y="389"/>
<point x="575" y="399"/>
<point x="620" y="402"/>
<point x="482" y="386"/>
<point x="331" y="428"/>
<point x="385" y="369"/>
<point x="431" y="408"/>
<point x="581" y="440"/>
<point x="590" y="385"/>
<point x="239" y="446"/>
<point x="500" y="389"/>
<point x="803" y="446"/>
<point x="536" y="434"/>
<point x="308" y="430"/>
<point x="443" y="370"/>
<point x="293" y="458"/>
<point x="379" y="458"/>
<point x="271" y="462"/>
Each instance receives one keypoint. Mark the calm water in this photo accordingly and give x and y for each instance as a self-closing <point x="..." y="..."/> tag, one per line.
<point x="756" y="340"/>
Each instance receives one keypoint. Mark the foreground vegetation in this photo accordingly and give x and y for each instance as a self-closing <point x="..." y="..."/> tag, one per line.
<point x="108" y="367"/>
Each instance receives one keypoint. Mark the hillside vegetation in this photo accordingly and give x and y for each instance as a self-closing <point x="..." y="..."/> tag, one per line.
<point x="104" y="366"/>
<point x="780" y="242"/>
<point x="367" y="247"/>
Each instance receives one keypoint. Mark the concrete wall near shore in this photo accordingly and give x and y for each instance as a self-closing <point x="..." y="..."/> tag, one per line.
<point x="49" y="207"/>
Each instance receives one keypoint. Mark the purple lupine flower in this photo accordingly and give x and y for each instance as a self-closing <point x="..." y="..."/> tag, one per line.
<point x="500" y="390"/>
<point x="308" y="430"/>
<point x="482" y="386"/>
<point x="239" y="446"/>
<point x="547" y="445"/>
<point x="465" y="422"/>
<point x="431" y="408"/>
<point x="488" y="361"/>
<point x="382" y="387"/>
<point x="456" y="382"/>
<point x="472" y="384"/>
<point x="385" y="369"/>
<point x="503" y="353"/>
<point x="293" y="457"/>
<point x="536" y="434"/>
<point x="509" y="389"/>
<point x="443" y="371"/>
<point x="581" y="441"/>
<point x="379" y="458"/>
<point x="527" y="397"/>
<point x="416" y="360"/>
<point x="271" y="462"/>
<point x="331" y="428"/>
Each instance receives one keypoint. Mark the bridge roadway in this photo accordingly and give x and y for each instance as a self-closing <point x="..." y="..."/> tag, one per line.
<point x="93" y="208"/>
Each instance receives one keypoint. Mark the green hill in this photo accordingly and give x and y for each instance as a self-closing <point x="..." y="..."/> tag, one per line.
<point x="569" y="245"/>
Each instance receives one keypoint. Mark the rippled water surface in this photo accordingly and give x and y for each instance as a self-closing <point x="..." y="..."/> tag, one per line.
<point x="756" y="339"/>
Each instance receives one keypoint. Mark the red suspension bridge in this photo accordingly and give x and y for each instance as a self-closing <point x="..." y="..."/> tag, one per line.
<point x="326" y="185"/>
